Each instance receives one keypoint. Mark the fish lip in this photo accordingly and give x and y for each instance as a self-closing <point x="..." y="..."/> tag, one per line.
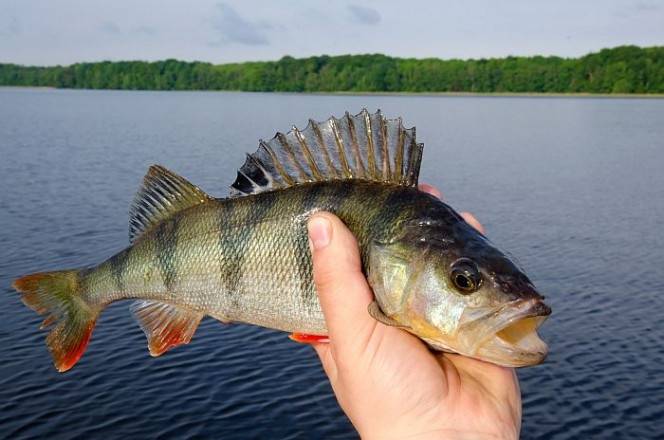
<point x="515" y="355"/>
<point x="504" y="316"/>
<point x="507" y="314"/>
<point x="523" y="309"/>
<point x="528" y="309"/>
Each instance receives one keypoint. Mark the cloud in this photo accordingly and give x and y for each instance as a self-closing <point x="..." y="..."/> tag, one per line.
<point x="646" y="7"/>
<point x="364" y="15"/>
<point x="109" y="27"/>
<point x="236" y="29"/>
<point x="144" y="30"/>
<point x="637" y="9"/>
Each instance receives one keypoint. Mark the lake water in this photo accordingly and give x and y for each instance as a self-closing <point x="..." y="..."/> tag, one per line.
<point x="574" y="188"/>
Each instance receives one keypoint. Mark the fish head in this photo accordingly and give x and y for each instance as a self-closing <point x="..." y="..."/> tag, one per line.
<point x="448" y="284"/>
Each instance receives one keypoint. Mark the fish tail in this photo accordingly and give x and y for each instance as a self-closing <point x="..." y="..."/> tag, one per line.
<point x="58" y="296"/>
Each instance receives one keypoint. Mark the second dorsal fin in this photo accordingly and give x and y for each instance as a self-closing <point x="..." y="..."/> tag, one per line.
<point x="365" y="146"/>
<point x="162" y="194"/>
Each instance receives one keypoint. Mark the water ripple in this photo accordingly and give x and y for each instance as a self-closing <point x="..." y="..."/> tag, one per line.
<point x="560" y="192"/>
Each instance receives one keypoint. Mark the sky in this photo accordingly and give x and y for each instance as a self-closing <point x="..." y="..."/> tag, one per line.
<point x="47" y="32"/>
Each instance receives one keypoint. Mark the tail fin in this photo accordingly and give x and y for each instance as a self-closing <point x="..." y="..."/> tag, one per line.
<point x="57" y="296"/>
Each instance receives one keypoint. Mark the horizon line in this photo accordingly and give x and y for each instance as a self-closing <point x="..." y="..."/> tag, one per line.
<point x="330" y="56"/>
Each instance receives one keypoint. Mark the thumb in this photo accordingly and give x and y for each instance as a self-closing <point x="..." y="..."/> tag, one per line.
<point x="342" y="288"/>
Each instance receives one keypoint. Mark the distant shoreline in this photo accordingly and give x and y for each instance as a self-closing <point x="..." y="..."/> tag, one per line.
<point x="422" y="94"/>
<point x="496" y="94"/>
<point x="630" y="71"/>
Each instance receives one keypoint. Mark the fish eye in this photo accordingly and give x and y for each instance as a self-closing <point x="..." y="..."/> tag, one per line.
<point x="466" y="276"/>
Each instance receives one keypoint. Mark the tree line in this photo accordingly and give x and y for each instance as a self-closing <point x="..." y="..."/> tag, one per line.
<point x="624" y="69"/>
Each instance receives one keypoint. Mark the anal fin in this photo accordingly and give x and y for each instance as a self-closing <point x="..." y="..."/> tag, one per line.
<point x="166" y="326"/>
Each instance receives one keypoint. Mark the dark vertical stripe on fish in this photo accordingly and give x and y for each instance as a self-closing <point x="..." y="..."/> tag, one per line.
<point x="118" y="267"/>
<point x="230" y="242"/>
<point x="165" y="247"/>
<point x="380" y="218"/>
<point x="396" y="205"/>
<point x="233" y="242"/>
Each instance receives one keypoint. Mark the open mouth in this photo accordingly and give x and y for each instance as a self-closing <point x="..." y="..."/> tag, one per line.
<point x="522" y="334"/>
<point x="505" y="336"/>
<point x="514" y="342"/>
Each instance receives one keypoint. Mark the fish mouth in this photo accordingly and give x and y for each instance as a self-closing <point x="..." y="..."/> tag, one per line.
<point x="506" y="335"/>
<point x="511" y="337"/>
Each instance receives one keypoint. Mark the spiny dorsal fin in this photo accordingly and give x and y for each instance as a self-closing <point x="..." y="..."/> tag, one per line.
<point x="165" y="326"/>
<point x="365" y="146"/>
<point x="162" y="194"/>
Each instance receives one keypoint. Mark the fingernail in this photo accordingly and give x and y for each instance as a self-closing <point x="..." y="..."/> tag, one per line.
<point x="430" y="190"/>
<point x="320" y="231"/>
<point x="472" y="221"/>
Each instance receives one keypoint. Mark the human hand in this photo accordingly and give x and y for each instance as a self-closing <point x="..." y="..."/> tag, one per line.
<point x="389" y="384"/>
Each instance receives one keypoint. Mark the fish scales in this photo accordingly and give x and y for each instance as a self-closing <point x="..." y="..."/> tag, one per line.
<point x="246" y="258"/>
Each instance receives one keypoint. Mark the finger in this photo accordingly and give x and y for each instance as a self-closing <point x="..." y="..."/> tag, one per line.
<point x="325" y="355"/>
<point x="467" y="216"/>
<point x="498" y="381"/>
<point x="472" y="221"/>
<point x="430" y="189"/>
<point x="342" y="289"/>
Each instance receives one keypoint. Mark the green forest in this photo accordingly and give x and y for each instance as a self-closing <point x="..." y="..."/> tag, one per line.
<point x="625" y="69"/>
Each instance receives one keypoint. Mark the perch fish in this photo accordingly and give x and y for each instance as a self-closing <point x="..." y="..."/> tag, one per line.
<point x="245" y="258"/>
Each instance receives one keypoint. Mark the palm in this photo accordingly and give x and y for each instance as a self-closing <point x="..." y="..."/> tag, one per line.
<point x="440" y="390"/>
<point x="386" y="380"/>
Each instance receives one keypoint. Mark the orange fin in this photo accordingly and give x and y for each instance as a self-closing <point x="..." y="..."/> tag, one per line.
<point x="57" y="296"/>
<point x="305" y="338"/>
<point x="165" y="326"/>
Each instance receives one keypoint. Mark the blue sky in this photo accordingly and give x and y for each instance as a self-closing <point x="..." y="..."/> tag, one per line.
<point x="46" y="32"/>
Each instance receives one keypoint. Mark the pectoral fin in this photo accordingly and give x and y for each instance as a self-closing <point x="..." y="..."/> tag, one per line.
<point x="377" y="314"/>
<point x="305" y="338"/>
